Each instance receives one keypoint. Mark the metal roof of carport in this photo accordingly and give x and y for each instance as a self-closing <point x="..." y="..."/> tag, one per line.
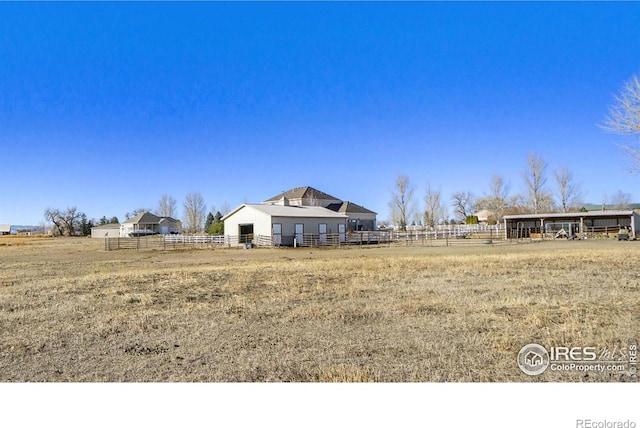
<point x="617" y="213"/>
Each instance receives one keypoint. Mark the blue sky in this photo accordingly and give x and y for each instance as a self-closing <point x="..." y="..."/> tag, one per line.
<point x="106" y="106"/>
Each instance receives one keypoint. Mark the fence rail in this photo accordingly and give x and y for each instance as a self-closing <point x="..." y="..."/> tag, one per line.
<point x="536" y="233"/>
<point x="443" y="237"/>
<point x="168" y="242"/>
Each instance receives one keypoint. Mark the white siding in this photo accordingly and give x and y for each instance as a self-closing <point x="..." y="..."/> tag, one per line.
<point x="248" y="215"/>
<point x="105" y="232"/>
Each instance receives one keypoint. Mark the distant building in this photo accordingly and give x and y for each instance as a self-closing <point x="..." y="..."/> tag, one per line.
<point x="484" y="216"/>
<point x="149" y="224"/>
<point x="111" y="230"/>
<point x="360" y="218"/>
<point x="604" y="207"/>
<point x="5" y="229"/>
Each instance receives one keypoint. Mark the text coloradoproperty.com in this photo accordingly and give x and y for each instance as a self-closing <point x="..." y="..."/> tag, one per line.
<point x="561" y="367"/>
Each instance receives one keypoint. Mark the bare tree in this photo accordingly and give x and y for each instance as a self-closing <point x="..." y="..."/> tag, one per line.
<point x="463" y="204"/>
<point x="224" y="209"/>
<point x="136" y="212"/>
<point x="516" y="204"/>
<point x="167" y="206"/>
<point x="71" y="219"/>
<point x="402" y="205"/>
<point x="497" y="200"/>
<point x="624" y="118"/>
<point x="620" y="200"/>
<point x="434" y="211"/>
<point x="567" y="190"/>
<point x="54" y="216"/>
<point x="539" y="199"/>
<point x="195" y="212"/>
<point x="66" y="222"/>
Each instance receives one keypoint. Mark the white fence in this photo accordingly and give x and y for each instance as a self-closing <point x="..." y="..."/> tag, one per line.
<point x="198" y="239"/>
<point x="440" y="235"/>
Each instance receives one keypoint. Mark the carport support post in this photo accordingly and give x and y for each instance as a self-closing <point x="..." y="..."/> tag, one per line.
<point x="542" y="229"/>
<point x="633" y="227"/>
<point x="583" y="234"/>
<point x="505" y="229"/>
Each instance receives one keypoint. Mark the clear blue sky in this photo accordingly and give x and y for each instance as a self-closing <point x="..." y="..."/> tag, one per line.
<point x="106" y="106"/>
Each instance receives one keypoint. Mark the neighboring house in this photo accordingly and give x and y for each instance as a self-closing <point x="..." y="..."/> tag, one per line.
<point x="5" y="229"/>
<point x="305" y="196"/>
<point x="484" y="216"/>
<point x="360" y="218"/>
<point x="149" y="224"/>
<point x="298" y="215"/>
<point x="601" y="207"/>
<point x="111" y="230"/>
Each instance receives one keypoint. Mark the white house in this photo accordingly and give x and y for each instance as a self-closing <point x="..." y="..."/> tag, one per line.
<point x="149" y="224"/>
<point x="484" y="216"/>
<point x="5" y="229"/>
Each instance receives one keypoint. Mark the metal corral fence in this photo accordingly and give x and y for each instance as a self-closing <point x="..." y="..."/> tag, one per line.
<point x="440" y="236"/>
<point x="168" y="242"/>
<point x="555" y="231"/>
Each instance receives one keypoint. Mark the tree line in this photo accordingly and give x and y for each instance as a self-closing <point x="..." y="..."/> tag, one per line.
<point x="623" y="118"/>
<point x="563" y="195"/>
<point x="195" y="218"/>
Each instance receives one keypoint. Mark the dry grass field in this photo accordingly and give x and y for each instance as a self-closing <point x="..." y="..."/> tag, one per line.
<point x="70" y="311"/>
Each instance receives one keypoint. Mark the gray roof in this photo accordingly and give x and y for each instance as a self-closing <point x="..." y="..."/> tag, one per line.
<point x="290" y="211"/>
<point x="621" y="213"/>
<point x="302" y="193"/>
<point x="108" y="226"/>
<point x="169" y="219"/>
<point x="144" y="218"/>
<point x="349" y="207"/>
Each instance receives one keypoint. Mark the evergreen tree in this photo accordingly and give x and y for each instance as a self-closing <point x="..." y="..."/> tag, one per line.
<point x="85" y="225"/>
<point x="209" y="222"/>
<point x="217" y="226"/>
